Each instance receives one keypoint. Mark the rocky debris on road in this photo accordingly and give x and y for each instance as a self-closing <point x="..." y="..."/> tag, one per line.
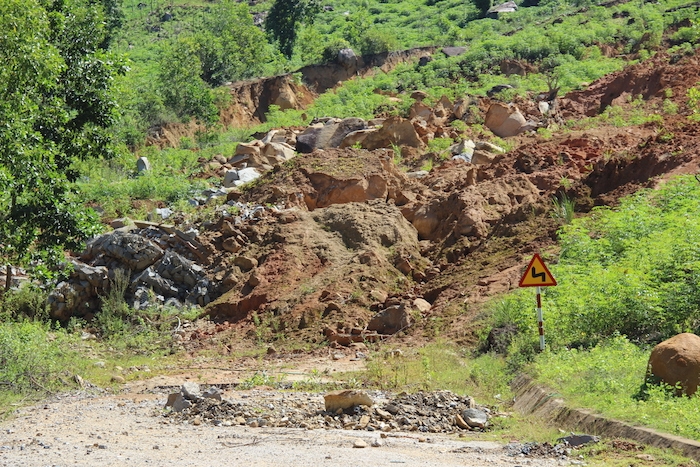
<point x="426" y="412"/>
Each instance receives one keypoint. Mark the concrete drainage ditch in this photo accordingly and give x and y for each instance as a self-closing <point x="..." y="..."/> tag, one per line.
<point x="535" y="400"/>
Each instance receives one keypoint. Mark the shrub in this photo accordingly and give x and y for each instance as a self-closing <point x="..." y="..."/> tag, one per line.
<point x="377" y="41"/>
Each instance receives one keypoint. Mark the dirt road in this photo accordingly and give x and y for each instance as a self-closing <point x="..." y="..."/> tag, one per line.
<point x="127" y="430"/>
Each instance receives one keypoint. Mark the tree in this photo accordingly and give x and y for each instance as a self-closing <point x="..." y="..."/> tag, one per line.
<point x="285" y="17"/>
<point x="183" y="89"/>
<point x="55" y="108"/>
<point x="231" y="47"/>
<point x="483" y="6"/>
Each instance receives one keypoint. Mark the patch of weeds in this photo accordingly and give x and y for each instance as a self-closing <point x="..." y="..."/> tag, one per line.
<point x="440" y="146"/>
<point x="260" y="378"/>
<point x="29" y="301"/>
<point x="693" y="95"/>
<point x="665" y="136"/>
<point x="563" y="209"/>
<point x="669" y="107"/>
<point x="398" y="157"/>
<point x="545" y="133"/>
<point x="459" y="125"/>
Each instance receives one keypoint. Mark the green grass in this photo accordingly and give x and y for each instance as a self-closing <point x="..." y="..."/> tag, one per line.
<point x="607" y="379"/>
<point x="440" y="365"/>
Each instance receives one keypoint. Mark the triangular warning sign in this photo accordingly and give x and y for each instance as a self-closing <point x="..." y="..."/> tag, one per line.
<point x="537" y="274"/>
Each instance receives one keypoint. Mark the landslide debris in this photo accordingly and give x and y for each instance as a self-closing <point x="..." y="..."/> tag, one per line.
<point x="327" y="242"/>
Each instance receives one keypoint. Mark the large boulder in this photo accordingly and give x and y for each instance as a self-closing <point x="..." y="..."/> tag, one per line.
<point x="133" y="251"/>
<point x="391" y="320"/>
<point x="395" y="130"/>
<point x="676" y="361"/>
<point x="329" y="135"/>
<point x="505" y="120"/>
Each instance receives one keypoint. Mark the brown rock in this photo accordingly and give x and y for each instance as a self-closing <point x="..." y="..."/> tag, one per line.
<point x="230" y="244"/>
<point x="422" y="305"/>
<point x="345" y="399"/>
<point x="395" y="130"/>
<point x="245" y="263"/>
<point x="390" y="320"/>
<point x="677" y="361"/>
<point x="504" y="120"/>
<point x="459" y="421"/>
<point x="482" y="157"/>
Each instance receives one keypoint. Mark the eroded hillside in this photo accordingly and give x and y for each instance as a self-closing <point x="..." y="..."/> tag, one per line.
<point x="344" y="244"/>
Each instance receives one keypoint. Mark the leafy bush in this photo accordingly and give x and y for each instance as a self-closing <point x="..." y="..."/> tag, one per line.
<point x="31" y="358"/>
<point x="376" y="41"/>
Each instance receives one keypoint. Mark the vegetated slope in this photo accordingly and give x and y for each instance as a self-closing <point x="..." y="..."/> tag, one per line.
<point x="340" y="249"/>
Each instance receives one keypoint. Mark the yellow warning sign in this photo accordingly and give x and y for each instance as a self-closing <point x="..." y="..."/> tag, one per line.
<point x="537" y="274"/>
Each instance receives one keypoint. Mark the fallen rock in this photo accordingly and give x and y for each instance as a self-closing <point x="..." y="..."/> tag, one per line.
<point x="475" y="418"/>
<point x="676" y="361"/>
<point x="346" y="399"/>
<point x="395" y="130"/>
<point x="390" y="320"/>
<point x="505" y="120"/>
<point x="359" y="443"/>
<point x="578" y="440"/>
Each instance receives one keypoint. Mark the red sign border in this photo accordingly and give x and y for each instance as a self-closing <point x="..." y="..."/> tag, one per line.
<point x="527" y="270"/>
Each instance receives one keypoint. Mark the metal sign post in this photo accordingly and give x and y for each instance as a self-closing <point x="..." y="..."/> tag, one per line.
<point x="537" y="275"/>
<point x="540" y="320"/>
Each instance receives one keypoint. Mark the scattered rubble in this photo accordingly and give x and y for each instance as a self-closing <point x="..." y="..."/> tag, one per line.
<point x="434" y="412"/>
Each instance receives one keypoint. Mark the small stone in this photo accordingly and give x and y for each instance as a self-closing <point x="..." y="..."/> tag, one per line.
<point x="459" y="421"/>
<point x="359" y="443"/>
<point x="197" y="421"/>
<point x="376" y="442"/>
<point x="383" y="414"/>
<point x="212" y="393"/>
<point x="364" y="421"/>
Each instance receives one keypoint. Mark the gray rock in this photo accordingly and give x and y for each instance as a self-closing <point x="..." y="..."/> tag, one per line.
<point x="191" y="391"/>
<point x="143" y="165"/>
<point x="247" y="175"/>
<point x="347" y="58"/>
<point x="230" y="178"/>
<point x="180" y="403"/>
<point x="475" y="418"/>
<point x="212" y="393"/>
<point x="453" y="51"/>
<point x="578" y="440"/>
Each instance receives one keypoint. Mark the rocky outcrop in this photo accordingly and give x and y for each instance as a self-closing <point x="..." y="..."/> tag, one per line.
<point x="152" y="275"/>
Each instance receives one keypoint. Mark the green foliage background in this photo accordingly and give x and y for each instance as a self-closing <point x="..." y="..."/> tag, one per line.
<point x="632" y="270"/>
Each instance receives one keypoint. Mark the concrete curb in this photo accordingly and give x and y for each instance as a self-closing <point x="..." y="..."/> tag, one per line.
<point x="538" y="401"/>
